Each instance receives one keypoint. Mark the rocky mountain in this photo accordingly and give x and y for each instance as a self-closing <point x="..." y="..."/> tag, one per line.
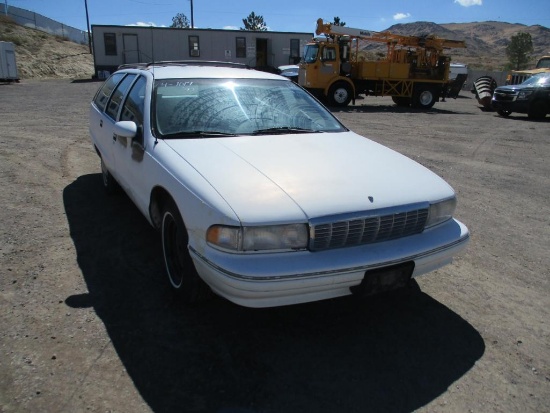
<point x="485" y="41"/>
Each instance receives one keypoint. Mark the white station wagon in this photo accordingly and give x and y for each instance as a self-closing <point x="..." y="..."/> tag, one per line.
<point x="260" y="194"/>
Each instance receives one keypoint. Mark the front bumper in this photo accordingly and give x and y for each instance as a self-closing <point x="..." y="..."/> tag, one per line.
<point x="518" y="106"/>
<point x="268" y="280"/>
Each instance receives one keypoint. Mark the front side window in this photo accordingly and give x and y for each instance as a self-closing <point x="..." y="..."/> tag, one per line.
<point x="194" y="50"/>
<point x="110" y="44"/>
<point x="104" y="93"/>
<point x="117" y="95"/>
<point x="241" y="46"/>
<point x="133" y="106"/>
<point x="193" y="108"/>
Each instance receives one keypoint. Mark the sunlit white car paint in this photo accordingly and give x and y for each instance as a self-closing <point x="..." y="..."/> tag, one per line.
<point x="295" y="178"/>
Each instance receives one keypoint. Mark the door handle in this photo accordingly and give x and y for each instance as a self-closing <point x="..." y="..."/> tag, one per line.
<point x="114" y="137"/>
<point x="101" y="123"/>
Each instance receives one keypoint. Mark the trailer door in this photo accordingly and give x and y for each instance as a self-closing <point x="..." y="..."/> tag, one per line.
<point x="12" y="68"/>
<point x="130" y="48"/>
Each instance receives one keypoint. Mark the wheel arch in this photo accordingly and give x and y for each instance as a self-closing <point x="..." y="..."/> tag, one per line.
<point x="158" y="200"/>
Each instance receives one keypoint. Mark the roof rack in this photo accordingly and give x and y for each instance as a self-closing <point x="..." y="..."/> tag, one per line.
<point x="184" y="63"/>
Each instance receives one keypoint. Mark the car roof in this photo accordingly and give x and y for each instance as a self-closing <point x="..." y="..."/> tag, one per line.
<point x="198" y="69"/>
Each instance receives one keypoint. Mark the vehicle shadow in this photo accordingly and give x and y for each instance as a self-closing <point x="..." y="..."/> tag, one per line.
<point x="392" y="353"/>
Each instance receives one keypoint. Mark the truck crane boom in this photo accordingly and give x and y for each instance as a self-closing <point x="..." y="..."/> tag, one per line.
<point x="428" y="42"/>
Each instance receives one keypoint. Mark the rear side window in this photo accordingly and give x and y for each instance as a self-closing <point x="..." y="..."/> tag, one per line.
<point x="117" y="95"/>
<point x="103" y="94"/>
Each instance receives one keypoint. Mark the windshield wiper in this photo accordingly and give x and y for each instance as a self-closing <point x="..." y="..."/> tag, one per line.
<point x="283" y="130"/>
<point x="197" y="134"/>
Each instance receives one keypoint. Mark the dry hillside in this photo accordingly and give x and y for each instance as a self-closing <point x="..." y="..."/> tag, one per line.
<point x="40" y="55"/>
<point x="485" y="41"/>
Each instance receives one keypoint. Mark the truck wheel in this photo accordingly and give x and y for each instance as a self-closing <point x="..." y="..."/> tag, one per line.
<point x="340" y="94"/>
<point x="401" y="101"/>
<point x="538" y="110"/>
<point x="179" y="266"/>
<point x="424" y="98"/>
<point x="504" y="113"/>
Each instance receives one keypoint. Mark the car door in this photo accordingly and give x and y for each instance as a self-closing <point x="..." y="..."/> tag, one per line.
<point x="118" y="144"/>
<point x="131" y="156"/>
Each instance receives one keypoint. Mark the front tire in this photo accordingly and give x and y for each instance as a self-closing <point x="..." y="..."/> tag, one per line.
<point x="401" y="101"/>
<point x="340" y="94"/>
<point x="538" y="110"/>
<point x="180" y="269"/>
<point x="424" y="98"/>
<point x="504" y="113"/>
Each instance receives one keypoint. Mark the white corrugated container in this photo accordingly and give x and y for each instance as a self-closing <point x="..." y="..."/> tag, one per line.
<point x="8" y="66"/>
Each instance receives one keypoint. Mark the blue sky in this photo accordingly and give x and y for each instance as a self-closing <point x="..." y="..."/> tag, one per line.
<point x="289" y="15"/>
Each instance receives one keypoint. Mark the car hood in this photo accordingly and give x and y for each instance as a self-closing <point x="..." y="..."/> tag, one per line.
<point x="269" y="178"/>
<point x="514" y="88"/>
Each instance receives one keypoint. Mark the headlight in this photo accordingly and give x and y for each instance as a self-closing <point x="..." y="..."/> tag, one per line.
<point x="262" y="238"/>
<point x="441" y="211"/>
<point x="524" y="94"/>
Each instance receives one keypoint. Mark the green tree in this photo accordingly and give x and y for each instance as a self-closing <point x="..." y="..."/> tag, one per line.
<point x="337" y="22"/>
<point x="519" y="50"/>
<point x="180" y="21"/>
<point x="254" y="23"/>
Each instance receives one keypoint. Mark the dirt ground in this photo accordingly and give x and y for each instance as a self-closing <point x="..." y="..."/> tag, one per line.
<point x="88" y="323"/>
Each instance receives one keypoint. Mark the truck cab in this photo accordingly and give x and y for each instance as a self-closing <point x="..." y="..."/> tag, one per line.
<point x="325" y="71"/>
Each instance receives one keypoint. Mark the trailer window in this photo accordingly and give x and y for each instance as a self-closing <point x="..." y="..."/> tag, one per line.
<point x="241" y="46"/>
<point x="110" y="44"/>
<point x="194" y="50"/>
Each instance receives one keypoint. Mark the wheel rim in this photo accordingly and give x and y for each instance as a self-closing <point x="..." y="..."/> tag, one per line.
<point x="341" y="95"/>
<point x="425" y="98"/>
<point x="172" y="247"/>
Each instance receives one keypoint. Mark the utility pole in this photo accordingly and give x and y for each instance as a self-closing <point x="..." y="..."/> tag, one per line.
<point x="88" y="24"/>
<point x="192" y="18"/>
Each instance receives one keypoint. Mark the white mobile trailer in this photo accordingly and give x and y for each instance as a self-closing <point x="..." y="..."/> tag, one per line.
<point x="8" y="66"/>
<point x="118" y="45"/>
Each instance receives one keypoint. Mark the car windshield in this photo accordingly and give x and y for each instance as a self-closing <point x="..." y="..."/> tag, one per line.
<point x="218" y="107"/>
<point x="544" y="63"/>
<point x="541" y="79"/>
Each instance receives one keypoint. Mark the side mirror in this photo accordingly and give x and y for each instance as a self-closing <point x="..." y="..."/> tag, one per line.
<point x="126" y="129"/>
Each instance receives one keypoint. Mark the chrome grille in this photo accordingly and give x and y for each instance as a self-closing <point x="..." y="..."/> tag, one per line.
<point x="366" y="230"/>
<point x="504" y="96"/>
<point x="518" y="78"/>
